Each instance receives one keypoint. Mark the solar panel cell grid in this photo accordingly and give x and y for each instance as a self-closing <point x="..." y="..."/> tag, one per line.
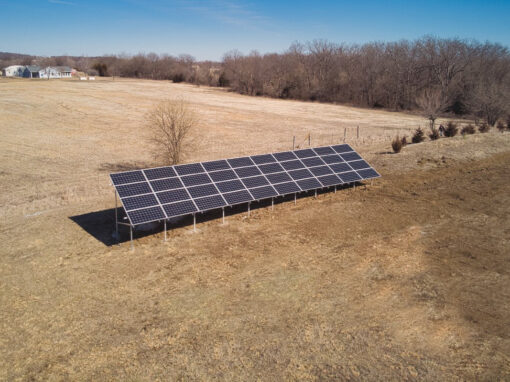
<point x="350" y="156"/>
<point x="142" y="201"/>
<point x="270" y="168"/>
<point x="195" y="180"/>
<point x="210" y="202"/>
<point x="240" y="162"/>
<point x="300" y="174"/>
<point x="308" y="184"/>
<point x="292" y="165"/>
<point x="330" y="180"/>
<point x="324" y="150"/>
<point x="187" y="169"/>
<point x="216" y="165"/>
<point x="342" y="148"/>
<point x="180" y="208"/>
<point x="304" y="153"/>
<point x="133" y="189"/>
<point x="263" y="192"/>
<point x="158" y="173"/>
<point x="313" y="161"/>
<point x="146" y="215"/>
<point x="238" y="197"/>
<point x="204" y="190"/>
<point x="285" y="155"/>
<point x="231" y="185"/>
<point x="218" y="176"/>
<point x="172" y="196"/>
<point x="244" y="172"/>
<point x="261" y="159"/>
<point x="368" y="173"/>
<point x="255" y="181"/>
<point x="359" y="164"/>
<point x="166" y="184"/>
<point x="329" y="159"/>
<point x="349" y="177"/>
<point x="321" y="170"/>
<point x="340" y="167"/>
<point x="127" y="177"/>
<point x="286" y="188"/>
<point x="279" y="177"/>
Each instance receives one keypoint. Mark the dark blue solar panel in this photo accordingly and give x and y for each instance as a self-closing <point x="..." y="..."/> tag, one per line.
<point x="324" y="150"/>
<point x="195" y="180"/>
<point x="142" y="201"/>
<point x="146" y="215"/>
<point x="359" y="164"/>
<point x="240" y="162"/>
<point x="321" y="170"/>
<point x="279" y="177"/>
<point x="158" y="173"/>
<point x="270" y="168"/>
<point x="238" y="197"/>
<point x="368" y="173"/>
<point x="313" y="161"/>
<point x="166" y="184"/>
<point x="350" y="156"/>
<point x="172" y="195"/>
<point x="256" y="181"/>
<point x="204" y="190"/>
<point x="304" y="153"/>
<point x="133" y="189"/>
<point x="285" y="155"/>
<point x="216" y="165"/>
<point x="300" y="174"/>
<point x="329" y="159"/>
<point x="308" y="184"/>
<point x="218" y="176"/>
<point x="342" y="148"/>
<point x="286" y="188"/>
<point x="340" y="167"/>
<point x="261" y="159"/>
<point x="127" y="177"/>
<point x="244" y="172"/>
<point x="292" y="164"/>
<point x="187" y="169"/>
<point x="180" y="208"/>
<point x="329" y="180"/>
<point x="231" y="185"/>
<point x="263" y="192"/>
<point x="349" y="177"/>
<point x="210" y="202"/>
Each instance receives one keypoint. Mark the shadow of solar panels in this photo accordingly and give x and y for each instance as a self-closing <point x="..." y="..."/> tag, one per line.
<point x="164" y="192"/>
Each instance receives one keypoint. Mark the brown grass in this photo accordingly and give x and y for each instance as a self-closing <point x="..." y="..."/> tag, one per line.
<point x="335" y="288"/>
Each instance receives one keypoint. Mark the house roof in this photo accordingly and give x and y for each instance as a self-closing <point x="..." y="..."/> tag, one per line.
<point x="33" y="68"/>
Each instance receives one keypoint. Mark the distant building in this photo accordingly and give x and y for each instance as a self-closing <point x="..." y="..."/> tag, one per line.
<point x="49" y="72"/>
<point x="65" y="71"/>
<point x="31" y="71"/>
<point x="13" y="71"/>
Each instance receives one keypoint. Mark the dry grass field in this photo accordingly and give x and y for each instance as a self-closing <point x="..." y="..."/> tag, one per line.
<point x="407" y="279"/>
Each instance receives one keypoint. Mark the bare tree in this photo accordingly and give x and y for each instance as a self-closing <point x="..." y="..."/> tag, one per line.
<point x="172" y="123"/>
<point x="431" y="102"/>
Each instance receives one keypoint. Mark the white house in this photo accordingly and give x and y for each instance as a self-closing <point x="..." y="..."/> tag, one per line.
<point x="49" y="72"/>
<point x="13" y="71"/>
<point x="65" y="71"/>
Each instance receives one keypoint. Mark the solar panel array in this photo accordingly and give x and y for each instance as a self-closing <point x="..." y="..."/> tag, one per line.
<point x="166" y="192"/>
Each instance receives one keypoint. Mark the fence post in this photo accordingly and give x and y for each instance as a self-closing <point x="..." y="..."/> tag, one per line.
<point x="293" y="143"/>
<point x="357" y="132"/>
<point x="310" y="140"/>
<point x="345" y="133"/>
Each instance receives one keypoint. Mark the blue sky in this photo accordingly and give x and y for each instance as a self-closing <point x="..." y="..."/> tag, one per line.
<point x="207" y="29"/>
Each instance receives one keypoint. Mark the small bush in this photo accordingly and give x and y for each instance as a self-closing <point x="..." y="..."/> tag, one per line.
<point x="508" y="123"/>
<point x="501" y="126"/>
<point x="418" y="135"/>
<point x="434" y="134"/>
<point x="468" y="129"/>
<point x="404" y="140"/>
<point x="396" y="144"/>
<point x="451" y="130"/>
<point x="484" y="128"/>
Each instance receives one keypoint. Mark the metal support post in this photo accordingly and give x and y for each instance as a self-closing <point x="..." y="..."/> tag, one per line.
<point x="223" y="215"/>
<point x="272" y="204"/>
<point x="248" y="209"/>
<point x="315" y="193"/>
<point x="194" y="223"/>
<point x="165" y="229"/>
<point x="295" y="198"/>
<point x="116" y="218"/>
<point x="335" y="189"/>
<point x="131" y="236"/>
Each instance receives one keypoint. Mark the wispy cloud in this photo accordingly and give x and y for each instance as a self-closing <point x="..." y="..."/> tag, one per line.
<point x="62" y="2"/>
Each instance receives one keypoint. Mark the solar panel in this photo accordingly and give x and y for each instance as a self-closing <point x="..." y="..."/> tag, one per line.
<point x="165" y="192"/>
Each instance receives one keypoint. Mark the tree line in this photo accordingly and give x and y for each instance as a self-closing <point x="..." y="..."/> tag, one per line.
<point x="437" y="76"/>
